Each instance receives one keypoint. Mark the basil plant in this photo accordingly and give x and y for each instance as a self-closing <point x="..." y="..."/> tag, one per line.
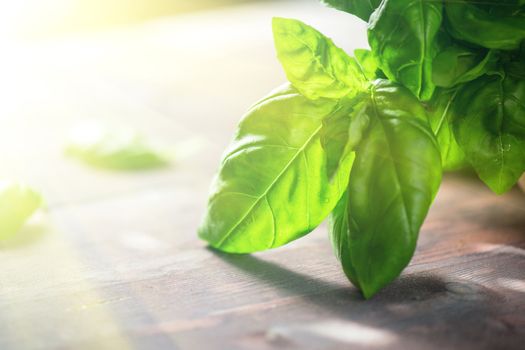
<point x="364" y="139"/>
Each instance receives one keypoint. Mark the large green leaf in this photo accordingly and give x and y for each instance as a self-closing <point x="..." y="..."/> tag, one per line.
<point x="394" y="179"/>
<point x="340" y="237"/>
<point x="441" y="116"/>
<point x="403" y="37"/>
<point x="490" y="128"/>
<point x="272" y="186"/>
<point x="360" y="8"/>
<point x="313" y="64"/>
<point x="17" y="203"/>
<point x="494" y="25"/>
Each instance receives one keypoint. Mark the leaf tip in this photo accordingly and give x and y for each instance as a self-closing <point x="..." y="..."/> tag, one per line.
<point x="499" y="190"/>
<point x="368" y="291"/>
<point x="278" y="23"/>
<point x="282" y="25"/>
<point x="278" y="20"/>
<point x="497" y="186"/>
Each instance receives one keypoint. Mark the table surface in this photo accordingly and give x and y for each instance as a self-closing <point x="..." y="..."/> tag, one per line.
<point x="114" y="262"/>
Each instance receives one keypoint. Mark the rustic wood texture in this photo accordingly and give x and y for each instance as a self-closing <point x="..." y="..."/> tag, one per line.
<point x="114" y="262"/>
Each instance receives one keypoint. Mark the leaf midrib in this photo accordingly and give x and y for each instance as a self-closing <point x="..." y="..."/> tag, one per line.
<point x="269" y="188"/>
<point x="445" y="113"/>
<point x="396" y="172"/>
<point x="501" y="116"/>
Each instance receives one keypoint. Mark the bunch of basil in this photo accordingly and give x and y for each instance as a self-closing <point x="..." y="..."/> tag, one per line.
<point x="366" y="138"/>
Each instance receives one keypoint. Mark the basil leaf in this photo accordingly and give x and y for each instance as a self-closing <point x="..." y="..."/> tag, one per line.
<point x="441" y="117"/>
<point x="458" y="64"/>
<point x="17" y="203"/>
<point x="515" y="68"/>
<point x="342" y="131"/>
<point x="490" y="128"/>
<point x="403" y="37"/>
<point x="272" y="186"/>
<point x="368" y="64"/>
<point x="360" y="8"/>
<point x="313" y="64"/>
<point x="494" y="26"/>
<point x="394" y="179"/>
<point x="340" y="238"/>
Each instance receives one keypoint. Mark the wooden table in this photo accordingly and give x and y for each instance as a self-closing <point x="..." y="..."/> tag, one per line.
<point x="114" y="263"/>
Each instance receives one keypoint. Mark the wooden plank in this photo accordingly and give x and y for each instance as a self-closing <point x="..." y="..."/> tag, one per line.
<point x="120" y="273"/>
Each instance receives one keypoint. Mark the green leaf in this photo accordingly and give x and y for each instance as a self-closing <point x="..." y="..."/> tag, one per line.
<point x="459" y="64"/>
<point x="360" y="8"/>
<point x="494" y="26"/>
<point x="17" y="203"/>
<point x="340" y="237"/>
<point x="515" y="67"/>
<point x="403" y="37"/>
<point x="272" y="186"/>
<point x="441" y="116"/>
<point x="368" y="64"/>
<point x="119" y="149"/>
<point x="394" y="179"/>
<point x="342" y="131"/>
<point x="313" y="64"/>
<point x="490" y="128"/>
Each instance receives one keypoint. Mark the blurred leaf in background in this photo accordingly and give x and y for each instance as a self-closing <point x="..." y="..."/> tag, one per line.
<point x="18" y="202"/>
<point x="114" y="148"/>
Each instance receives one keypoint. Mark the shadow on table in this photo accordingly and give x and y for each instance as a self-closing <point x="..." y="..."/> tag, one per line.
<point x="414" y="287"/>
<point x="416" y="307"/>
<point x="282" y="278"/>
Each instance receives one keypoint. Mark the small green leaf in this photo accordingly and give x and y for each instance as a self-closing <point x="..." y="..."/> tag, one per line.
<point x="441" y="116"/>
<point x="403" y="38"/>
<point x="17" y="203"/>
<point x="313" y="64"/>
<point x="360" y="8"/>
<point x="272" y="186"/>
<point x="119" y="149"/>
<point x="393" y="181"/>
<point x="490" y="128"/>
